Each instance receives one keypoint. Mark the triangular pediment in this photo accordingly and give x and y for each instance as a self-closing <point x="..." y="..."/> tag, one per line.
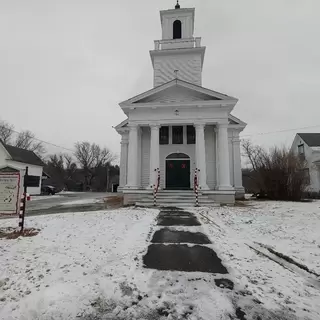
<point x="177" y="94"/>
<point x="177" y="91"/>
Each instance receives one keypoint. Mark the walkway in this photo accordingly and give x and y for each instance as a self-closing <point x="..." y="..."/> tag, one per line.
<point x="181" y="250"/>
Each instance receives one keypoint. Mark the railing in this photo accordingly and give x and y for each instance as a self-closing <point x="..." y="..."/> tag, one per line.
<point x="156" y="187"/>
<point x="196" y="185"/>
<point x="177" y="43"/>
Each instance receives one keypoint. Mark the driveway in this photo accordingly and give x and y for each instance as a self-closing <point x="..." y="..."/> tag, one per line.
<point x="67" y="202"/>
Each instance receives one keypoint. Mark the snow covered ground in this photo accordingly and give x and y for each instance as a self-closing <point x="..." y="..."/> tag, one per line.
<point x="81" y="201"/>
<point x="88" y="266"/>
<point x="36" y="198"/>
<point x="289" y="228"/>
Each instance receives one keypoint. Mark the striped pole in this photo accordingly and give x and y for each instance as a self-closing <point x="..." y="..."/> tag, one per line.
<point x="196" y="186"/>
<point x="22" y="211"/>
<point x="156" y="187"/>
<point x="23" y="200"/>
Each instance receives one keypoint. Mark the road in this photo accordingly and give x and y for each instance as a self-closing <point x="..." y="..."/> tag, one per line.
<point x="67" y="202"/>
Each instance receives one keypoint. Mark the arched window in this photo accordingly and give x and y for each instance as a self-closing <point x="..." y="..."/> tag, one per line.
<point x="177" y="34"/>
<point x="178" y="156"/>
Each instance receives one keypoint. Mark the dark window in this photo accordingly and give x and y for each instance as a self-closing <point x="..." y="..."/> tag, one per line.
<point x="191" y="135"/>
<point x="32" y="181"/>
<point x="177" y="29"/>
<point x="177" y="135"/>
<point x="301" y="149"/>
<point x="178" y="156"/>
<point x="164" y="135"/>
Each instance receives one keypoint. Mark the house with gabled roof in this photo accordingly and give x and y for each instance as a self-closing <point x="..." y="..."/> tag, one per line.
<point x="17" y="159"/>
<point x="307" y="146"/>
<point x="180" y="136"/>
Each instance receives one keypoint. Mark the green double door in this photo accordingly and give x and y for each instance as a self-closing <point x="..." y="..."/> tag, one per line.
<point x="178" y="174"/>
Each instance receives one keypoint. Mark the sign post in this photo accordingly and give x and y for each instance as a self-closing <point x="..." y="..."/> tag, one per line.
<point x="24" y="201"/>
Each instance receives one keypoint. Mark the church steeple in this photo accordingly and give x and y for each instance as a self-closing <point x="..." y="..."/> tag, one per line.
<point x="178" y="49"/>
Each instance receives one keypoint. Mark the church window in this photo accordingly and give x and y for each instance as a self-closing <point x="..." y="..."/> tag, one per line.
<point x="177" y="29"/>
<point x="164" y="135"/>
<point x="191" y="135"/>
<point x="177" y="135"/>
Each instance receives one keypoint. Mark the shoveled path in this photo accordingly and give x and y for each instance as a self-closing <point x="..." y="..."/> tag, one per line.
<point x="181" y="250"/>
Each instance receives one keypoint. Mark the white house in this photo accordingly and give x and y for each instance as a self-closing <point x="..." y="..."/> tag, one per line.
<point x="179" y="126"/>
<point x="307" y="145"/>
<point x="18" y="159"/>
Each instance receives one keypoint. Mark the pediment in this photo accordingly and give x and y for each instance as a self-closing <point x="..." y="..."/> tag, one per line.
<point x="177" y="94"/>
<point x="178" y="91"/>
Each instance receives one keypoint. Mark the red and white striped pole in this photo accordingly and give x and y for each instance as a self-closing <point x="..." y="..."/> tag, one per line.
<point x="156" y="187"/>
<point x="196" y="186"/>
<point x="23" y="201"/>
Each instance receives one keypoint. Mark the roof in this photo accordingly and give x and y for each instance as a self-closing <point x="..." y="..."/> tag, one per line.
<point x="311" y="139"/>
<point x="22" y="155"/>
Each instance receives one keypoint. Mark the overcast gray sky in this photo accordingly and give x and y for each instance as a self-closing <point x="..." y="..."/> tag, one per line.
<point x="66" y="64"/>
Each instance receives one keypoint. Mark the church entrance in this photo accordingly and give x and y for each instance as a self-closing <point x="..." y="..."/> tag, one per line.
<point x="178" y="171"/>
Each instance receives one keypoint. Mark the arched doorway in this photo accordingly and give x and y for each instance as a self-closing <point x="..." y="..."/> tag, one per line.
<point x="178" y="171"/>
<point x="177" y="32"/>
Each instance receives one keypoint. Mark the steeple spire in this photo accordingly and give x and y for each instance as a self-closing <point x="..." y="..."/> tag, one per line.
<point x="177" y="5"/>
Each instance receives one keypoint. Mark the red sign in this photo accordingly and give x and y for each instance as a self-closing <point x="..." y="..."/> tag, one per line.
<point x="183" y="166"/>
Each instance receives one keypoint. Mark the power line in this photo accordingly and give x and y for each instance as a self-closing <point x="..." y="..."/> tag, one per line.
<point x="43" y="141"/>
<point x="278" y="131"/>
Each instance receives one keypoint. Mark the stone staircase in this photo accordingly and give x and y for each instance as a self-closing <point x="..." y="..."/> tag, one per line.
<point x="176" y="198"/>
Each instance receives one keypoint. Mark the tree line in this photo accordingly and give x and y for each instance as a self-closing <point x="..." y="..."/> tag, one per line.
<point x="89" y="167"/>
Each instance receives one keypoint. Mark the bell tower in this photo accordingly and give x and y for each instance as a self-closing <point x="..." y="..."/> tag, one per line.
<point x="178" y="50"/>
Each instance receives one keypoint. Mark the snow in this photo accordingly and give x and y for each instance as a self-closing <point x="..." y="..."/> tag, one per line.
<point x="82" y="264"/>
<point x="289" y="228"/>
<point x="81" y="201"/>
<point x="35" y="198"/>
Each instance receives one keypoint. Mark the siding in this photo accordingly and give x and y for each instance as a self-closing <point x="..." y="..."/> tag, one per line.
<point x="189" y="66"/>
<point x="310" y="157"/>
<point x="145" y="157"/>
<point x="33" y="171"/>
<point x="210" y="144"/>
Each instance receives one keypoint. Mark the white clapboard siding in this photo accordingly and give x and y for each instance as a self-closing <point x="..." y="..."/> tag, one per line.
<point x="210" y="145"/>
<point x="189" y="66"/>
<point x="145" y="157"/>
<point x="176" y="94"/>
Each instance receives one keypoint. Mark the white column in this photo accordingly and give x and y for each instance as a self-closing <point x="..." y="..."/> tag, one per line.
<point x="201" y="156"/>
<point x="132" y="176"/>
<point x="154" y="153"/>
<point x="123" y="160"/>
<point x="223" y="154"/>
<point x="237" y="163"/>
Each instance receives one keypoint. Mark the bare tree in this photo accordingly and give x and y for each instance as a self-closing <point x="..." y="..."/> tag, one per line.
<point x="6" y="131"/>
<point x="26" y="140"/>
<point x="91" y="157"/>
<point x="279" y="173"/>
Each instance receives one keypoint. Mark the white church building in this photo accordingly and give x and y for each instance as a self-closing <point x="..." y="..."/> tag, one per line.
<point x="179" y="127"/>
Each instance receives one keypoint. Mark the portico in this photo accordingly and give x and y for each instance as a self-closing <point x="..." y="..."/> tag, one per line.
<point x="180" y="126"/>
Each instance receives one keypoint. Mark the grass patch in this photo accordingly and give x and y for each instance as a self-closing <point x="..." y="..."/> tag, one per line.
<point x="114" y="201"/>
<point x="14" y="233"/>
